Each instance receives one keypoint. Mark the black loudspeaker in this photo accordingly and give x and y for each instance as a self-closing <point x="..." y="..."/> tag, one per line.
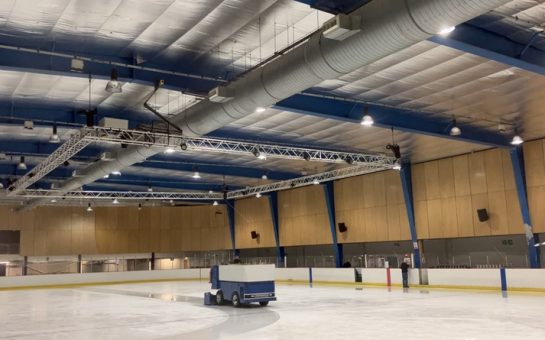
<point x="483" y="215"/>
<point x="254" y="234"/>
<point x="342" y="227"/>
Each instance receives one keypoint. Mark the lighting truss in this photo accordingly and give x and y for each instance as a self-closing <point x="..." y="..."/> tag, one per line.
<point x="125" y="195"/>
<point x="364" y="162"/>
<point x="311" y="179"/>
<point x="64" y="152"/>
<point x="245" y="148"/>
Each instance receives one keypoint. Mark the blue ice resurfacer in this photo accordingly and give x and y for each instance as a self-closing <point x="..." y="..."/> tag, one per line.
<point x="241" y="284"/>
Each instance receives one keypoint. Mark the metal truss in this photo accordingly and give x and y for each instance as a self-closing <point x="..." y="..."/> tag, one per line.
<point x="64" y="152"/>
<point x="245" y="148"/>
<point x="310" y="180"/>
<point x="125" y="195"/>
<point x="364" y="162"/>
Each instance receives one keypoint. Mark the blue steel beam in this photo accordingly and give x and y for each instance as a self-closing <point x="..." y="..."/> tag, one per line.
<point x="387" y="117"/>
<point x="273" y="205"/>
<point x="21" y="61"/>
<point x="63" y="116"/>
<point x="406" y="184"/>
<point x="480" y="42"/>
<point x="517" y="160"/>
<point x="329" y="192"/>
<point x="230" y="204"/>
<point x="335" y="6"/>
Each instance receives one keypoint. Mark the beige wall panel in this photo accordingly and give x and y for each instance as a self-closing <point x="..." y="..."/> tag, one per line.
<point x="421" y="219"/>
<point x="460" y="166"/>
<point x="499" y="224"/>
<point x="155" y="230"/>
<point x="405" y="233"/>
<point x="394" y="192"/>
<point x="371" y="224"/>
<point x="449" y="217"/>
<point x="514" y="217"/>
<point x="508" y="176"/>
<point x="464" y="212"/>
<point x="494" y="170"/>
<point x="477" y="173"/>
<point x="27" y="241"/>
<point x="40" y="242"/>
<point x="374" y="190"/>
<point x="144" y="229"/>
<point x="393" y="219"/>
<point x="480" y="202"/>
<point x="431" y="171"/>
<point x="381" y="219"/>
<point x="303" y="216"/>
<point x="419" y="182"/>
<point x="5" y="211"/>
<point x="536" y="201"/>
<point x="435" y="219"/>
<point x="83" y="232"/>
<point x="534" y="163"/>
<point x="253" y="214"/>
<point x="446" y="178"/>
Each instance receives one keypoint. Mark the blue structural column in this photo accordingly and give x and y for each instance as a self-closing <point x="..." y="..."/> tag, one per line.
<point x="330" y="204"/>
<point x="231" y="219"/>
<point x="406" y="183"/>
<point x="273" y="204"/>
<point x="517" y="159"/>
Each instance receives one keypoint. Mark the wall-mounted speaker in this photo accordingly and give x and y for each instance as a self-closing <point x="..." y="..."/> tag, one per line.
<point x="483" y="215"/>
<point x="254" y="234"/>
<point x="342" y="227"/>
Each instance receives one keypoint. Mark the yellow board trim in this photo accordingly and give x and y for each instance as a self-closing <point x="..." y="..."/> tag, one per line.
<point x="85" y="284"/>
<point x="297" y="282"/>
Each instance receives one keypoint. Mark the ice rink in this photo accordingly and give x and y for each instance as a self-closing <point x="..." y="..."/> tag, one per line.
<point x="175" y="310"/>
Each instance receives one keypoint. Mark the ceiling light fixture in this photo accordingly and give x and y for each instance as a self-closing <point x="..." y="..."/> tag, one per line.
<point x="264" y="177"/>
<point x="54" y="138"/>
<point x="169" y="150"/>
<point x="455" y="130"/>
<point x="447" y="30"/>
<point x="397" y="165"/>
<point x="89" y="208"/>
<point x="258" y="195"/>
<point x="106" y="176"/>
<point x="517" y="140"/>
<point x="150" y="189"/>
<point x="22" y="164"/>
<point x="259" y="154"/>
<point x="367" y="120"/>
<point x="113" y="86"/>
<point x="196" y="175"/>
<point x="115" y="201"/>
<point x="315" y="181"/>
<point x="139" y="206"/>
<point x="116" y="173"/>
<point x="215" y="203"/>
<point x="183" y="146"/>
<point x="53" y="200"/>
<point x="260" y="109"/>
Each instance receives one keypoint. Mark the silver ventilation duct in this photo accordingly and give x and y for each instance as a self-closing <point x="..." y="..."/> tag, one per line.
<point x="388" y="26"/>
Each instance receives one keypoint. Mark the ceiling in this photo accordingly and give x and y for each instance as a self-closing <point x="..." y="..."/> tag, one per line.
<point x="222" y="38"/>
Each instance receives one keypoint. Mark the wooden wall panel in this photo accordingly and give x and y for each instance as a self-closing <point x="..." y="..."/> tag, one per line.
<point x="477" y="173"/>
<point x="372" y="207"/>
<point x="419" y="182"/>
<point x="534" y="163"/>
<point x="431" y="179"/>
<point x="446" y="178"/>
<point x="460" y="167"/>
<point x="253" y="214"/>
<point x="435" y="218"/>
<point x="303" y="216"/>
<point x="464" y="212"/>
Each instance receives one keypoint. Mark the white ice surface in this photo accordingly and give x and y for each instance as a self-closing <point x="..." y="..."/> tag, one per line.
<point x="175" y="311"/>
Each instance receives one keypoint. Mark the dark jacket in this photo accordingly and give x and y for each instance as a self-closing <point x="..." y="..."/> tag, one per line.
<point x="404" y="267"/>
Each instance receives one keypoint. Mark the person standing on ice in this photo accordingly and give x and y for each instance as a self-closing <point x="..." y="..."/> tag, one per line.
<point x="405" y="273"/>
